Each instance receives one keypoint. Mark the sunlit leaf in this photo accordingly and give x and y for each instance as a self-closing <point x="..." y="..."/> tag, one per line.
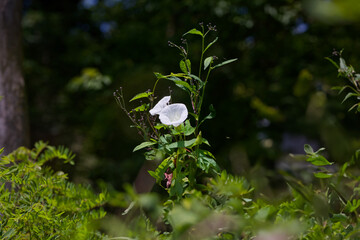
<point x="181" y="84"/>
<point x="349" y="95"/>
<point x="211" y="115"/>
<point x="143" y="145"/>
<point x="308" y="149"/>
<point x="194" y="31"/>
<point x="323" y="175"/>
<point x="332" y="61"/>
<point x="225" y="62"/>
<point x="207" y="62"/>
<point x="210" y="44"/>
<point x="182" y="144"/>
<point x="141" y="95"/>
<point x="318" y="160"/>
<point x="185" y="66"/>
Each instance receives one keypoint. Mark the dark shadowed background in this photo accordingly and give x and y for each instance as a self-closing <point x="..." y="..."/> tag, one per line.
<point x="269" y="103"/>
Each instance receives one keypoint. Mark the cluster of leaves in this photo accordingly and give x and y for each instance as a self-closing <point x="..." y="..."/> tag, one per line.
<point x="38" y="203"/>
<point x="178" y="149"/>
<point x="226" y="207"/>
<point x="348" y="72"/>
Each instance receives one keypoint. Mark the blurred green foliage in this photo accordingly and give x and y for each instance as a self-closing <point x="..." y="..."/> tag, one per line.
<point x="228" y="208"/>
<point x="276" y="95"/>
<point x="38" y="203"/>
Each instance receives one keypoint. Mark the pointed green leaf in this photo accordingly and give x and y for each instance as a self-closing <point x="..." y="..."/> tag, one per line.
<point x="159" y="75"/>
<point x="143" y="145"/>
<point x="343" y="64"/>
<point x="211" y="115"/>
<point x="182" y="144"/>
<point x="185" y="66"/>
<point x="205" y="160"/>
<point x="185" y="129"/>
<point x="207" y="62"/>
<point x="320" y="150"/>
<point x="226" y="62"/>
<point x="318" y="160"/>
<point x="177" y="188"/>
<point x="181" y="84"/>
<point x="308" y="149"/>
<point x="332" y="61"/>
<point x="353" y="106"/>
<point x="323" y="175"/>
<point x="158" y="174"/>
<point x="141" y="108"/>
<point x="210" y="44"/>
<point x="195" y="32"/>
<point x="201" y="83"/>
<point x="141" y="95"/>
<point x="194" y="115"/>
<point x="349" y="95"/>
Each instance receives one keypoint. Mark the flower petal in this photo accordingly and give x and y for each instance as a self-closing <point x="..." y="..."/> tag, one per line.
<point x="174" y="114"/>
<point x="160" y="105"/>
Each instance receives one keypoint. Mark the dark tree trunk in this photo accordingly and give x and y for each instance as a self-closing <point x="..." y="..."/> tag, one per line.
<point x="13" y="116"/>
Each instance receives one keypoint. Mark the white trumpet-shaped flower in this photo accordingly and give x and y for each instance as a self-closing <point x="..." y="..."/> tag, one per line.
<point x="160" y="105"/>
<point x="174" y="114"/>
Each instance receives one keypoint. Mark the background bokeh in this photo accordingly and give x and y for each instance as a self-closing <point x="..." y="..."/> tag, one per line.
<point x="269" y="103"/>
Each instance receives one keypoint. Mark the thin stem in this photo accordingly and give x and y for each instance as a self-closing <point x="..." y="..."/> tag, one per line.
<point x="202" y="49"/>
<point x="152" y="102"/>
<point x="201" y="99"/>
<point x="152" y="127"/>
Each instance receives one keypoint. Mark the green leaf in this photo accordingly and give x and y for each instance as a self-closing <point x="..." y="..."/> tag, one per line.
<point x="343" y="88"/>
<point x="159" y="126"/>
<point x="339" y="218"/>
<point x="141" y="95"/>
<point x="143" y="145"/>
<point x="182" y="144"/>
<point x="159" y="75"/>
<point x="196" y="117"/>
<point x="207" y="62"/>
<point x="188" y="129"/>
<point x="354" y="106"/>
<point x="320" y="150"/>
<point x="323" y="175"/>
<point x="349" y="95"/>
<point x="194" y="31"/>
<point x="318" y="160"/>
<point x="308" y="149"/>
<point x="211" y="115"/>
<point x="185" y="129"/>
<point x="210" y="44"/>
<point x="177" y="189"/>
<point x="332" y="61"/>
<point x="140" y="108"/>
<point x="181" y="84"/>
<point x="185" y="66"/>
<point x="158" y="174"/>
<point x="8" y="234"/>
<point x="201" y="83"/>
<point x="343" y="64"/>
<point x="226" y="62"/>
<point x="205" y="160"/>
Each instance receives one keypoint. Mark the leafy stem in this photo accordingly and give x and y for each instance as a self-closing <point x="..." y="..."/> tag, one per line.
<point x="201" y="99"/>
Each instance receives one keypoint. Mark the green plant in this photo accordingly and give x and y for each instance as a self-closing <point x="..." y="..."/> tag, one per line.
<point x="177" y="142"/>
<point x="38" y="203"/>
<point x="224" y="206"/>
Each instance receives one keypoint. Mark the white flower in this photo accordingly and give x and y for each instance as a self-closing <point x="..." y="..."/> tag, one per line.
<point x="160" y="105"/>
<point x="174" y="114"/>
